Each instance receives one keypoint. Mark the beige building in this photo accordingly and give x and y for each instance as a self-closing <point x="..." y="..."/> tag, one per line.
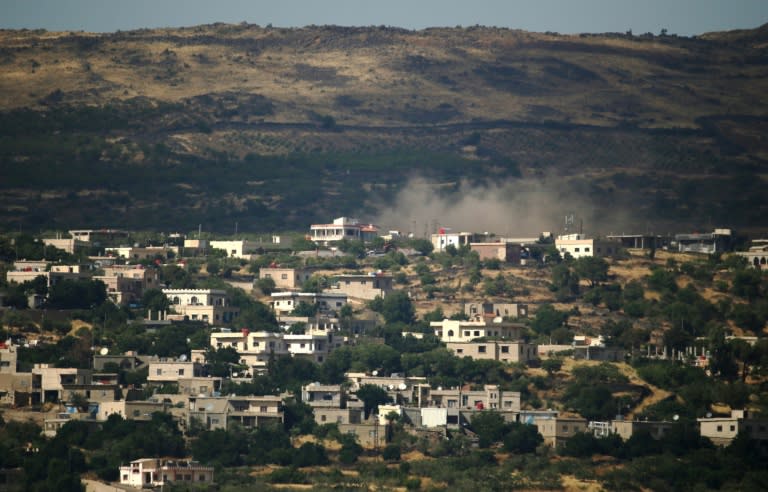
<point x="136" y="254"/>
<point x="365" y="287"/>
<point x="68" y="245"/>
<point x="557" y="430"/>
<point x="449" y="330"/>
<point x="155" y="472"/>
<point x="209" y="305"/>
<point x="23" y="272"/>
<point x="49" y="381"/>
<point x="626" y="428"/>
<point x="723" y="430"/>
<point x="98" y="236"/>
<point x="491" y="397"/>
<point x="506" y="252"/>
<point x="286" y="278"/>
<point x="170" y="371"/>
<point x="127" y="283"/>
<point x="248" y="411"/>
<point x="577" y="246"/>
<point x="517" y="351"/>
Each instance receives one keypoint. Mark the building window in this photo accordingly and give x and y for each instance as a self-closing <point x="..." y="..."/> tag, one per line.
<point x="322" y="418"/>
<point x="159" y="372"/>
<point x="477" y="333"/>
<point x="284" y="276"/>
<point x="201" y="478"/>
<point x="181" y="372"/>
<point x="576" y="250"/>
<point x="586" y="250"/>
<point x="505" y="349"/>
<point x="481" y="349"/>
<point x="719" y="428"/>
<point x="466" y="333"/>
<point x="459" y="351"/>
<point x="733" y="428"/>
<point x="565" y="428"/>
<point x="263" y="409"/>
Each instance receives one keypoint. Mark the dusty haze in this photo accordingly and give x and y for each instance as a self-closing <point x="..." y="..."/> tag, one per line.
<point x="520" y="208"/>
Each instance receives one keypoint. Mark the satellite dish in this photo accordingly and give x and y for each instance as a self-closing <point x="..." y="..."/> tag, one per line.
<point x="375" y="373"/>
<point x="402" y="386"/>
<point x="104" y="351"/>
<point x="391" y="387"/>
<point x="676" y="417"/>
<point x="709" y="415"/>
<point x="183" y="357"/>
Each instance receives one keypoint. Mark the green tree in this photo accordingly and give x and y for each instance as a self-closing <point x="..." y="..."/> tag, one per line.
<point x="266" y="285"/>
<point x="398" y="307"/>
<point x="489" y="426"/>
<point x="522" y="438"/>
<point x="592" y="268"/>
<point x="548" y="319"/>
<point x="552" y="365"/>
<point x="372" y="396"/>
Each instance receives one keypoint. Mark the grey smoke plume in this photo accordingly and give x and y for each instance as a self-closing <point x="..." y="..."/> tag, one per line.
<point x="520" y="208"/>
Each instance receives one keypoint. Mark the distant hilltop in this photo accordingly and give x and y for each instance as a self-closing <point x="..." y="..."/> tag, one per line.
<point x="274" y="128"/>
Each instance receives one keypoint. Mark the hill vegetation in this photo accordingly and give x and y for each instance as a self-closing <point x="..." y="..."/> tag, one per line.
<point x="275" y="128"/>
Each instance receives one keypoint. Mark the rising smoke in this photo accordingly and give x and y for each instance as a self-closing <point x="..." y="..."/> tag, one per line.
<point x="520" y="208"/>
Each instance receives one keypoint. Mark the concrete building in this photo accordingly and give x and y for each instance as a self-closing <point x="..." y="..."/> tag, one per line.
<point x="99" y="237"/>
<point x="577" y="246"/>
<point x="209" y="305"/>
<point x="517" y="351"/>
<point x="248" y="411"/>
<point x="126" y="284"/>
<point x="256" y="348"/>
<point x="53" y="274"/>
<point x="156" y="472"/>
<point x="445" y="238"/>
<point x="626" y="428"/>
<point x="283" y="303"/>
<point x="490" y="310"/>
<point x="506" y="252"/>
<point x="342" y="228"/>
<point x="170" y="371"/>
<point x="449" y="330"/>
<point x="69" y="245"/>
<point x="240" y="248"/>
<point x="286" y="278"/>
<point x="491" y="397"/>
<point x="639" y="241"/>
<point x="48" y="382"/>
<point x="717" y="241"/>
<point x="363" y="287"/>
<point x="136" y="254"/>
<point x="557" y="430"/>
<point x="723" y="430"/>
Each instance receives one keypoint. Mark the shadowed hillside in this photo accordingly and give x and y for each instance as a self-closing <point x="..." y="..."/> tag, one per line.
<point x="276" y="128"/>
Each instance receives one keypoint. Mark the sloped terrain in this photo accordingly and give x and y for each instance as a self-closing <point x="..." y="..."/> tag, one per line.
<point x="275" y="128"/>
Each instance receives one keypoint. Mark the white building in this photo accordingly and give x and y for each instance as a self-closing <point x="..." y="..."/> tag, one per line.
<point x="577" y="246"/>
<point x="445" y="238"/>
<point x="256" y="348"/>
<point x="450" y="330"/>
<point x="285" y="302"/>
<point x="342" y="228"/>
<point x="155" y="472"/>
<point x="241" y="248"/>
<point x="209" y="305"/>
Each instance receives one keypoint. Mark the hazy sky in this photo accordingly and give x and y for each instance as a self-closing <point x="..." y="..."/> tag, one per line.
<point x="684" y="17"/>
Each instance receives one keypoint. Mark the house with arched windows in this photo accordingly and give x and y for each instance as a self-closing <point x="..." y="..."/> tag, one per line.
<point x="209" y="305"/>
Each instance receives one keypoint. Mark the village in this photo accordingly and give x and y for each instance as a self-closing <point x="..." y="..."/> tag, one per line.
<point x="344" y="287"/>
